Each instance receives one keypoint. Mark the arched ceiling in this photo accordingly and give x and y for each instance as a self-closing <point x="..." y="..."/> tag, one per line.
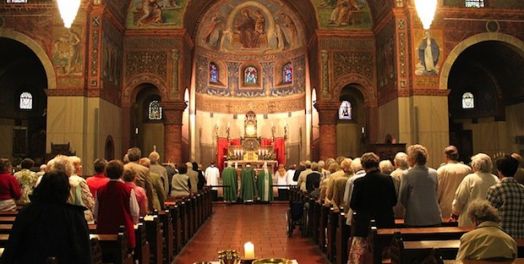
<point x="196" y="9"/>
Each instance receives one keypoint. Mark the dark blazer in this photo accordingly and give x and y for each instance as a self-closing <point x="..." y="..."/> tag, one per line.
<point x="373" y="197"/>
<point x="313" y="181"/>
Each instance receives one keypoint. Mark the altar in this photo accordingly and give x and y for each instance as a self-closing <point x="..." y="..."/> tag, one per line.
<point x="251" y="149"/>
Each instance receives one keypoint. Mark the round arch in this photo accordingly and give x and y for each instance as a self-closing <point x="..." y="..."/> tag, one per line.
<point x="37" y="49"/>
<point x="362" y="84"/>
<point x="132" y="87"/>
<point x="475" y="39"/>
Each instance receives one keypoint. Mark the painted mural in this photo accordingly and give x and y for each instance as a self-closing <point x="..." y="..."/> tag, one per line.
<point x="67" y="53"/>
<point x="343" y="14"/>
<point x="249" y="26"/>
<point x="156" y="13"/>
<point x="428" y="55"/>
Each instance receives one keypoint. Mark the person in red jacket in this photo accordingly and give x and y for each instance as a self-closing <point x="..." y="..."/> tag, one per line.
<point x="9" y="187"/>
<point x="99" y="179"/>
<point x="116" y="204"/>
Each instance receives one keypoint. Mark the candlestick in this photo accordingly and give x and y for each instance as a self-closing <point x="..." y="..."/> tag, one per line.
<point x="249" y="250"/>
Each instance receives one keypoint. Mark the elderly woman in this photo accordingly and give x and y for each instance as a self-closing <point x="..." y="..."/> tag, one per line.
<point x="79" y="185"/>
<point x="180" y="186"/>
<point x="386" y="167"/>
<point x="487" y="241"/>
<point x="9" y="187"/>
<point x="418" y="190"/>
<point x="474" y="186"/>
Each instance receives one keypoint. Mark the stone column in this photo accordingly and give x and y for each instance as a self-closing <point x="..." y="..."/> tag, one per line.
<point x="327" y="120"/>
<point x="173" y="130"/>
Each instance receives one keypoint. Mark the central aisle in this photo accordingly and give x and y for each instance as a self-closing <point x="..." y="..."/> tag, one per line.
<point x="265" y="225"/>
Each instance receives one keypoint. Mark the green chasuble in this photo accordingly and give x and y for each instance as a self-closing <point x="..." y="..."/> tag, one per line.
<point x="264" y="184"/>
<point x="247" y="186"/>
<point x="229" y="178"/>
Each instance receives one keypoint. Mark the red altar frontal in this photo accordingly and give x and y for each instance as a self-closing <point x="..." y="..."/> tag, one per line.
<point x="250" y="148"/>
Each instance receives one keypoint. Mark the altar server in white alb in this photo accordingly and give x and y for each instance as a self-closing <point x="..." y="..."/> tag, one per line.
<point x="212" y="174"/>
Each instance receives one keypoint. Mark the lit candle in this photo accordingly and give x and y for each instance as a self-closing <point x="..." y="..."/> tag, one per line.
<point x="249" y="250"/>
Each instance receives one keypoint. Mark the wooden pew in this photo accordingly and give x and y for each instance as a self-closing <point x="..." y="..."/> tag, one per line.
<point x="174" y="210"/>
<point x="96" y="250"/>
<point x="154" y="235"/>
<point x="114" y="248"/>
<point x="341" y="240"/>
<point x="382" y="237"/>
<point x="7" y="219"/>
<point x="322" y="227"/>
<point x="167" y="227"/>
<point x="142" y="251"/>
<point x="332" y="229"/>
<point x="414" y="251"/>
<point x="514" y="261"/>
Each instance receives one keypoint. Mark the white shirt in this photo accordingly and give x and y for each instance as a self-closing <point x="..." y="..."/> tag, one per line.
<point x="212" y="174"/>
<point x="289" y="176"/>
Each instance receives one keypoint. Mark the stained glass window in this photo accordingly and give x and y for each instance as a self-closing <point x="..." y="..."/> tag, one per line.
<point x="468" y="101"/>
<point x="213" y="73"/>
<point x="287" y="73"/>
<point x="250" y="75"/>
<point x="26" y="101"/>
<point x="344" y="112"/>
<point x="16" y="1"/>
<point x="474" y="3"/>
<point x="155" y="110"/>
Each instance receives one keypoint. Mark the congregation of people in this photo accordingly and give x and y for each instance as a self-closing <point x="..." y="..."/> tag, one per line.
<point x="485" y="196"/>
<point x="58" y="202"/>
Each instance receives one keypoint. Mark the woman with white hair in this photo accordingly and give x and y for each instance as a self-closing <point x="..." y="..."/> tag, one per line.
<point x="487" y="241"/>
<point x="79" y="186"/>
<point x="474" y="186"/>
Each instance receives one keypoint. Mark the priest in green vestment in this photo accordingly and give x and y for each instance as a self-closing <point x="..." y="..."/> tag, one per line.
<point x="265" y="185"/>
<point x="247" y="186"/>
<point x="229" y="178"/>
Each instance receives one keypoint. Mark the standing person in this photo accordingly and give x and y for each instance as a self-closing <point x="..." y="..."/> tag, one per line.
<point x="373" y="197"/>
<point x="301" y="167"/>
<point x="508" y="197"/>
<point x="265" y="185"/>
<point x="159" y="195"/>
<point x="193" y="177"/>
<point x="418" y="190"/>
<point x="487" y="241"/>
<point x="171" y="171"/>
<point x="181" y="184"/>
<point x="99" y="179"/>
<point x="116" y="205"/>
<point x="27" y="180"/>
<point x="313" y="178"/>
<point x="212" y="174"/>
<point x="248" y="187"/>
<point x="290" y="174"/>
<point x="519" y="175"/>
<point x="142" y="174"/>
<point x="79" y="185"/>
<point x="129" y="178"/>
<point x="303" y="175"/>
<point x="157" y="168"/>
<point x="9" y="187"/>
<point x="200" y="175"/>
<point x="49" y="226"/>
<point x="282" y="179"/>
<point x="474" y="186"/>
<point x="401" y="165"/>
<point x="449" y="178"/>
<point x="229" y="179"/>
<point x="337" y="187"/>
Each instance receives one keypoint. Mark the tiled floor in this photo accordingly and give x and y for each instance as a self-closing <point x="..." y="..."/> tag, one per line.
<point x="265" y="225"/>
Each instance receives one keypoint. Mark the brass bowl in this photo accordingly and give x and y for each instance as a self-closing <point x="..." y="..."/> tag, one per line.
<point x="272" y="261"/>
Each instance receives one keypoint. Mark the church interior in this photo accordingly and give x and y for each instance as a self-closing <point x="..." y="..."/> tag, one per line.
<point x="260" y="81"/>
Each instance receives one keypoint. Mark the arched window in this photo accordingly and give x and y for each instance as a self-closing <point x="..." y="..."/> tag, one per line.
<point x="155" y="110"/>
<point x="468" y="101"/>
<point x="213" y="73"/>
<point x="474" y="3"/>
<point x="287" y="73"/>
<point x="344" y="112"/>
<point x="250" y="75"/>
<point x="26" y="101"/>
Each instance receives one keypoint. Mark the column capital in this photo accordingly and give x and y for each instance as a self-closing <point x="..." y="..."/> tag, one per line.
<point x="173" y="111"/>
<point x="327" y="112"/>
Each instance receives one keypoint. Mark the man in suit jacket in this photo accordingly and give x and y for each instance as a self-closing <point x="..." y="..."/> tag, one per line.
<point x="374" y="195"/>
<point x="142" y="174"/>
<point x="193" y="177"/>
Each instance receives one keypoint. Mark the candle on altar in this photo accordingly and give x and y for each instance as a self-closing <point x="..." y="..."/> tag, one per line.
<point x="249" y="250"/>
